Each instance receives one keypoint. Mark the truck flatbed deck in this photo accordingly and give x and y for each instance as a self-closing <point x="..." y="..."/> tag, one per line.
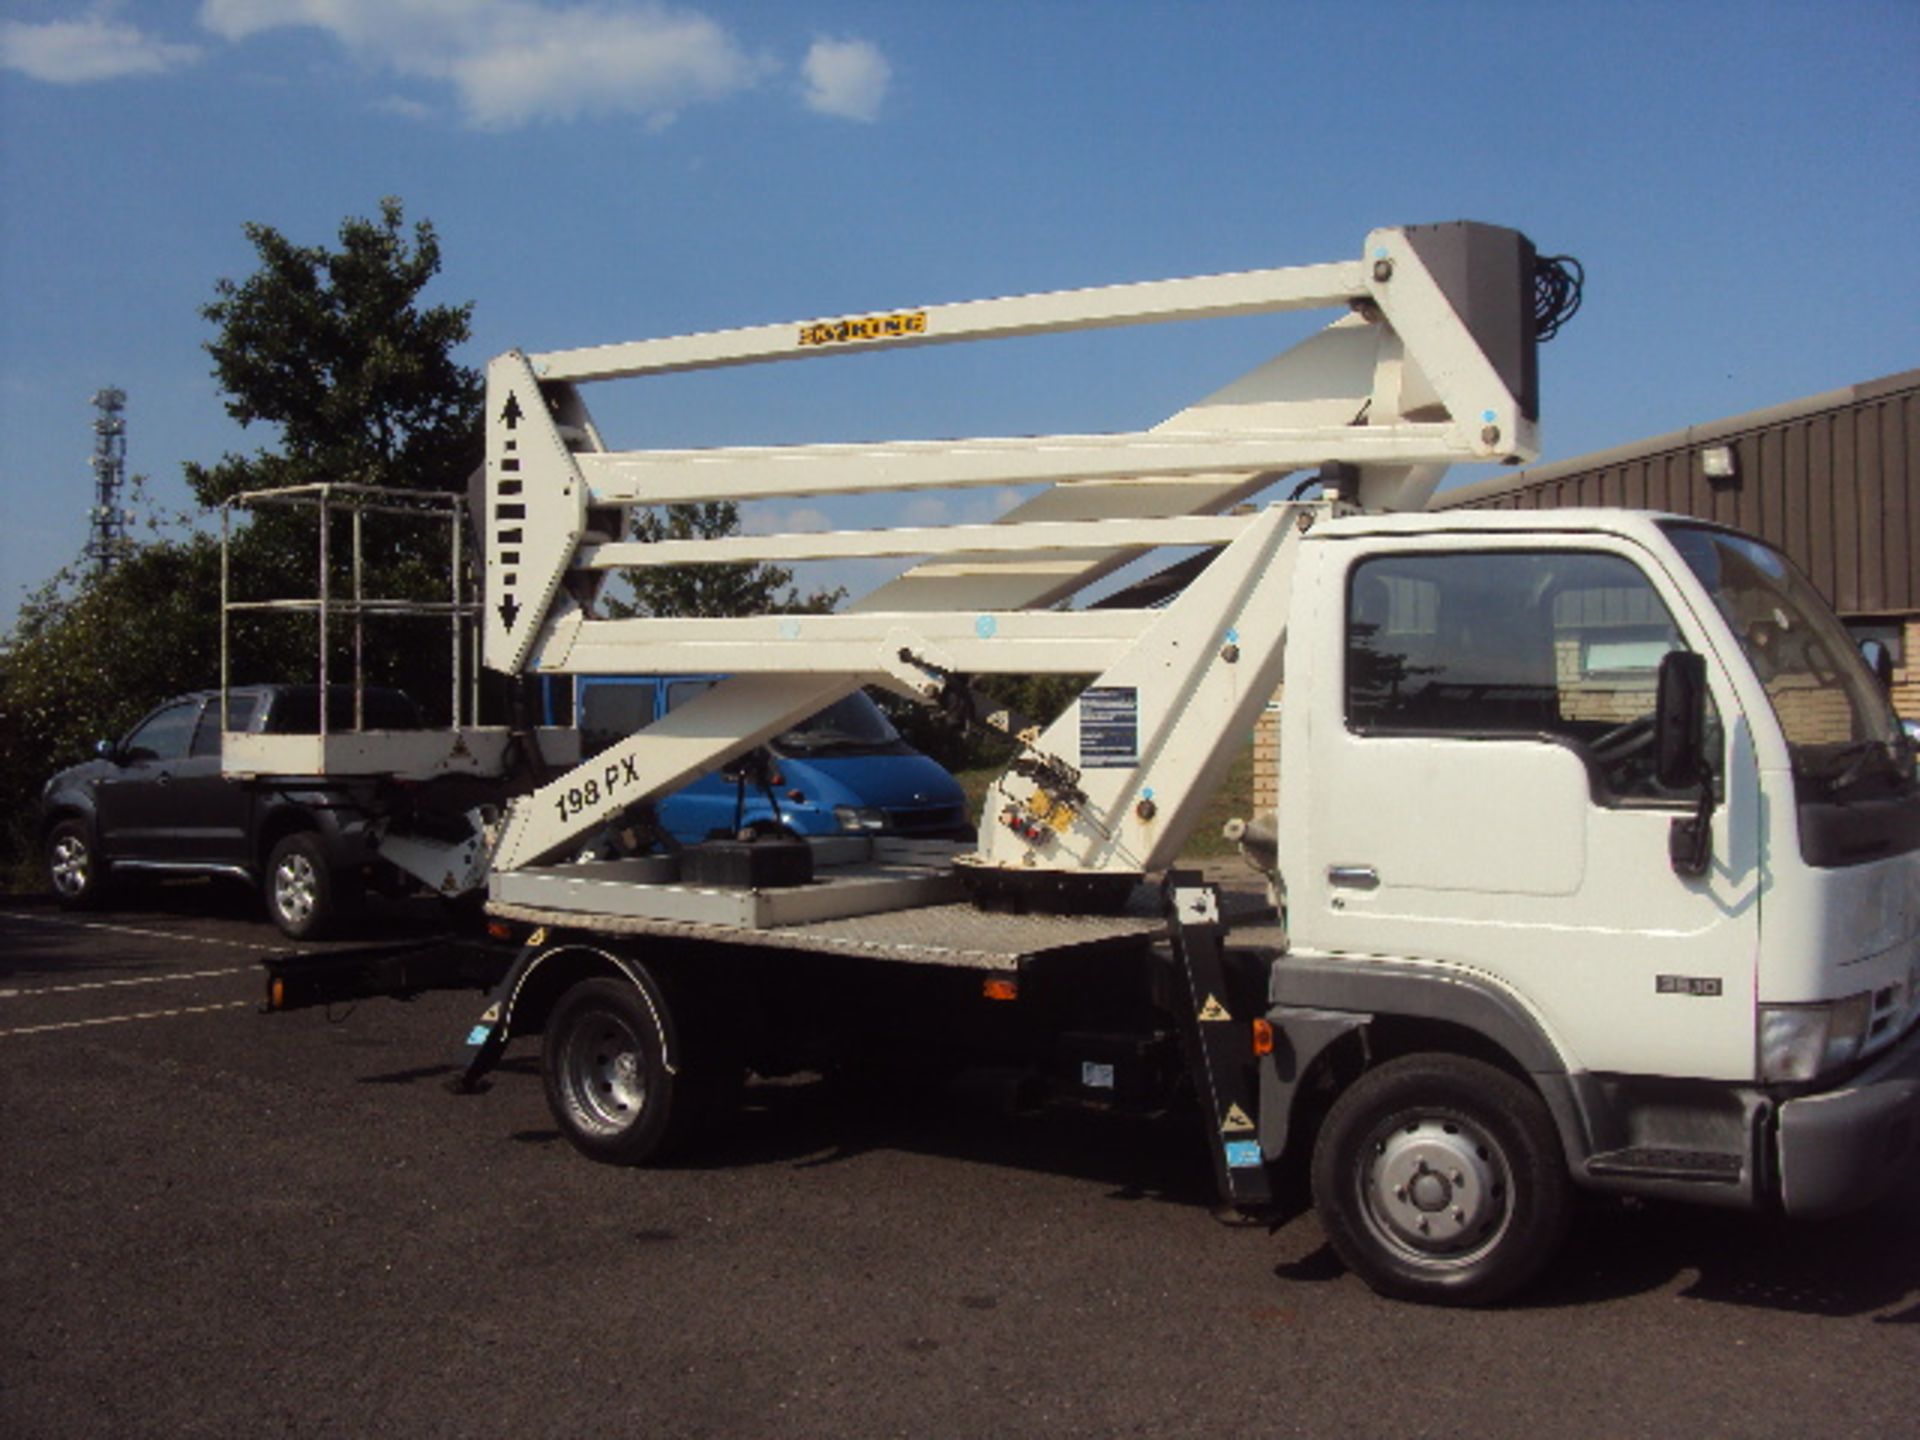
<point x="950" y="934"/>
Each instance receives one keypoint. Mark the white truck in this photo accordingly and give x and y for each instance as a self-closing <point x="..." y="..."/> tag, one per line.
<point x="1596" y="862"/>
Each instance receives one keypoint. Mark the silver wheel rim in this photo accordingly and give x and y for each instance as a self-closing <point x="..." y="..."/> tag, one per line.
<point x="296" y="888"/>
<point x="603" y="1075"/>
<point x="1436" y="1189"/>
<point x="69" y="865"/>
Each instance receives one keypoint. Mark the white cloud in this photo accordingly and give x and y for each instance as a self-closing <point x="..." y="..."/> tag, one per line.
<point x="847" y="78"/>
<point x="511" y="62"/>
<point x="75" y="52"/>
<point x="405" y="107"/>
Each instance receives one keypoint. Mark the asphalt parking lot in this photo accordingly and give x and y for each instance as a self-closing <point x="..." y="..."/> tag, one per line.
<point x="218" y="1222"/>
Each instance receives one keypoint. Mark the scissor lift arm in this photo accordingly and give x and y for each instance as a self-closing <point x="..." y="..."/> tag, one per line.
<point x="1430" y="361"/>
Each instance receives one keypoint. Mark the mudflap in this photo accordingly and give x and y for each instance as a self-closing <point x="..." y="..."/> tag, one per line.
<point x="486" y="1039"/>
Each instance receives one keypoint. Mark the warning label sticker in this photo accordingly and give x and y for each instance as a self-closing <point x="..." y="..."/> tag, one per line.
<point x="1110" y="727"/>
<point x="1214" y="1010"/>
<point x="1235" y="1121"/>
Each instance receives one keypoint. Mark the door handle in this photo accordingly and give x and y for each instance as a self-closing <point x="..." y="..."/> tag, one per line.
<point x="1354" y="877"/>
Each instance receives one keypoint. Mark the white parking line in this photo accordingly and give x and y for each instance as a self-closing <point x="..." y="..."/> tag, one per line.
<point x="129" y="930"/>
<point x="123" y="1019"/>
<point x="31" y="990"/>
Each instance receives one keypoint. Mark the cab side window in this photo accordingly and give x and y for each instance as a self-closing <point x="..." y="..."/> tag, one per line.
<point x="206" y="735"/>
<point x="1562" y="645"/>
<point x="681" y="691"/>
<point x="165" y="735"/>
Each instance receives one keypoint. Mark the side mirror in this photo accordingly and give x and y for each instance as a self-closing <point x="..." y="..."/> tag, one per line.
<point x="107" y="750"/>
<point x="1680" y="757"/>
<point x="1879" y="660"/>
<point x="1680" y="720"/>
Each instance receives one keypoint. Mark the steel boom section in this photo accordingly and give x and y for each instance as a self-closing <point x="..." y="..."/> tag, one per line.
<point x="1251" y="292"/>
<point x="1036" y="539"/>
<point x="669" y="477"/>
<point x="868" y="643"/>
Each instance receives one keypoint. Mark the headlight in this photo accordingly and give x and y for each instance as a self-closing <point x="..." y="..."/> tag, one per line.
<point x="860" y="817"/>
<point x="1804" y="1042"/>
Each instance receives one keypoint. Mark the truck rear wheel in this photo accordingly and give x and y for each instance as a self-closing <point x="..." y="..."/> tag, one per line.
<point x="604" y="1064"/>
<point x="1440" y="1179"/>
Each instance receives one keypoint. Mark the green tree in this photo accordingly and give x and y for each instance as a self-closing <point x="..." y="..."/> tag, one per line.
<point x="87" y="656"/>
<point x="710" y="590"/>
<point x="335" y="349"/>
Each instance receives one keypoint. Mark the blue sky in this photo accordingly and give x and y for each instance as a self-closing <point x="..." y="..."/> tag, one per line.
<point x="1739" y="180"/>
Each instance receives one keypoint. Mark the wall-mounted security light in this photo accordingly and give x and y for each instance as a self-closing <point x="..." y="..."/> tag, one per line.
<point x="1718" y="464"/>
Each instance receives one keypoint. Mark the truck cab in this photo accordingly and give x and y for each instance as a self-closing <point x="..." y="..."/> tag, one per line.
<point x="1479" y="852"/>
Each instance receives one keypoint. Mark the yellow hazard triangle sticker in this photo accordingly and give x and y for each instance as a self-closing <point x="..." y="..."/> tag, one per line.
<point x="1214" y="1010"/>
<point x="1235" y="1120"/>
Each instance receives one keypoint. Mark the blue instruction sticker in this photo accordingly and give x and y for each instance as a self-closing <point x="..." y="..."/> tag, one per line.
<point x="1110" y="727"/>
<point x="479" y="1034"/>
<point x="1243" y="1154"/>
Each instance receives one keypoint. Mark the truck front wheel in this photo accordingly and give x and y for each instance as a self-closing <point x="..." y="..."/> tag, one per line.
<point x="1440" y="1179"/>
<point x="604" y="1061"/>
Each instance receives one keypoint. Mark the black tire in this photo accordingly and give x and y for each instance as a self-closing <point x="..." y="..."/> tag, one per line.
<point x="1441" y="1179"/>
<point x="75" y="872"/>
<point x="603" y="1061"/>
<point x="306" y="897"/>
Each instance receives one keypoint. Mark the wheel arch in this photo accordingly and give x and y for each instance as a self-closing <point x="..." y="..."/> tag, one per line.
<point x="281" y="822"/>
<point x="548" y="972"/>
<point x="67" y="809"/>
<point x="1385" y="1010"/>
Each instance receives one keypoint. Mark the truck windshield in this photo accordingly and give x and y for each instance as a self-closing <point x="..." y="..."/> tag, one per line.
<point x="1840" y="727"/>
<point x="853" y="726"/>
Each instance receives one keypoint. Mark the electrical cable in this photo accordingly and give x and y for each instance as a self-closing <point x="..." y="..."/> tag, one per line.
<point x="1557" y="284"/>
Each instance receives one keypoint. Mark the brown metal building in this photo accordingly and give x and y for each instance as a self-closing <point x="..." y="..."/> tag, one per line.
<point x="1833" y="480"/>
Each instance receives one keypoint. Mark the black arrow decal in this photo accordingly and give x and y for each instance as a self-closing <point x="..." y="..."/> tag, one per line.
<point x="511" y="415"/>
<point x="509" y="611"/>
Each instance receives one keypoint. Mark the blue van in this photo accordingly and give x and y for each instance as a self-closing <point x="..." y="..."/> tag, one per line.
<point x="843" y="771"/>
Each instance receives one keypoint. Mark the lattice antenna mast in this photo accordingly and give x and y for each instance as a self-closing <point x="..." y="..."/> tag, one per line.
<point x="107" y="532"/>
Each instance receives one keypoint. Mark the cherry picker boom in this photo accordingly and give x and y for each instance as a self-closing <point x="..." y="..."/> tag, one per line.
<point x="1430" y="362"/>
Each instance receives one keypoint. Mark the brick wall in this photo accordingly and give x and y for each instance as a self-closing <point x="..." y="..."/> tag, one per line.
<point x="1906" y="678"/>
<point x="1266" y="760"/>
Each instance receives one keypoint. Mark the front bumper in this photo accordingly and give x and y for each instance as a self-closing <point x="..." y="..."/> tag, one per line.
<point x="1841" y="1150"/>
